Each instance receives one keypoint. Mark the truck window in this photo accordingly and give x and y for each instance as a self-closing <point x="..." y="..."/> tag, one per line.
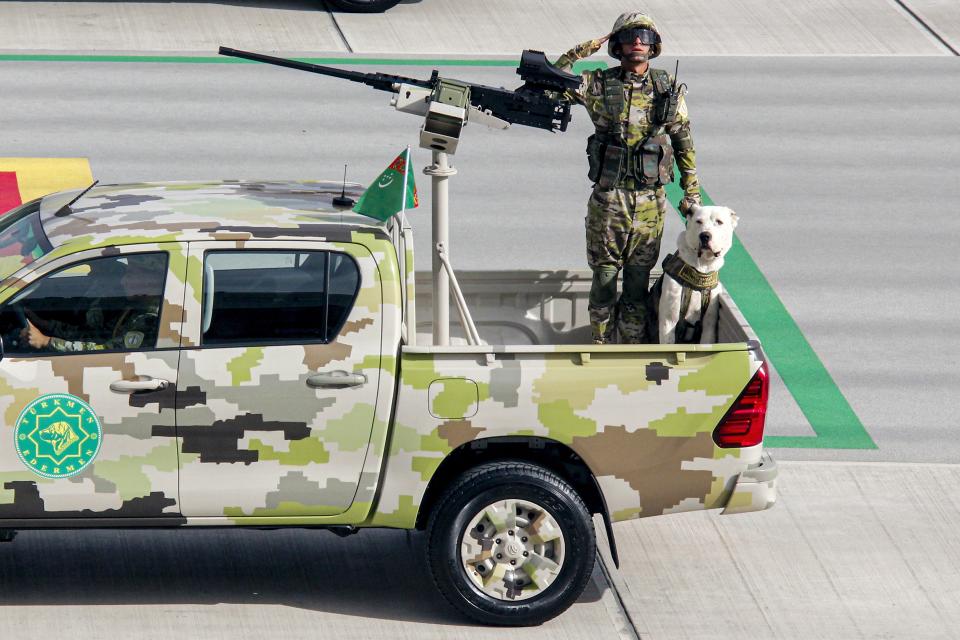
<point x="276" y="297"/>
<point x="21" y="238"/>
<point x="102" y="304"/>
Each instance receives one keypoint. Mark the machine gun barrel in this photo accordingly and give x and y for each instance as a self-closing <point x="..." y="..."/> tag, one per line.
<point x="381" y="81"/>
<point x="539" y="102"/>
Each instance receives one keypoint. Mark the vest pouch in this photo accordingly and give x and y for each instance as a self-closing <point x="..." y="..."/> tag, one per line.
<point x="614" y="165"/>
<point x="666" y="162"/>
<point x="647" y="162"/>
<point x="594" y="158"/>
<point x="661" y="109"/>
<point x="653" y="162"/>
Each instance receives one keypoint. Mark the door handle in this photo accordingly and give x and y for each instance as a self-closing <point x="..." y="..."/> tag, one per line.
<point x="132" y="386"/>
<point x="336" y="379"/>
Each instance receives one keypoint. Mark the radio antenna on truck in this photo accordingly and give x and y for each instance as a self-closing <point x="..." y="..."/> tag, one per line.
<point x="65" y="209"/>
<point x="342" y="200"/>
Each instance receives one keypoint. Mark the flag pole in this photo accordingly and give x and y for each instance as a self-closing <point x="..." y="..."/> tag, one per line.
<point x="405" y="233"/>
<point x="406" y="174"/>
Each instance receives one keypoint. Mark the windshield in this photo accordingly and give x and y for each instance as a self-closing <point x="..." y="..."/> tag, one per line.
<point x="21" y="238"/>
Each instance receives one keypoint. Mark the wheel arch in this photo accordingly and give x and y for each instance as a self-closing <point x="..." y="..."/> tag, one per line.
<point x="550" y="454"/>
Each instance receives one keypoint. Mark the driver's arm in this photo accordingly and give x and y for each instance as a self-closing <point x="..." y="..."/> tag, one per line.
<point x="72" y="332"/>
<point x="64" y="345"/>
<point x="40" y="340"/>
<point x="133" y="332"/>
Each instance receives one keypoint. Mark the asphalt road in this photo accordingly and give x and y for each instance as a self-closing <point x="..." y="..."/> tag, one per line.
<point x="840" y="169"/>
<point x="214" y="584"/>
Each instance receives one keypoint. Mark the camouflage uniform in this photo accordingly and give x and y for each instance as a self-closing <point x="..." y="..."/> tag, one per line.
<point x="624" y="224"/>
<point x="136" y="328"/>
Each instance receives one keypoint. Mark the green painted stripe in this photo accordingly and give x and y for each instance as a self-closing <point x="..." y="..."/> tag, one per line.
<point x="381" y="62"/>
<point x="422" y="62"/>
<point x="802" y="371"/>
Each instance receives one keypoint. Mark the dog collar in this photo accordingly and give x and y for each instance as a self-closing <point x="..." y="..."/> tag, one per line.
<point x="683" y="273"/>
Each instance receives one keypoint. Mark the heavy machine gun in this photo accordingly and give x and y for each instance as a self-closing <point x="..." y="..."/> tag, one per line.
<point x="449" y="104"/>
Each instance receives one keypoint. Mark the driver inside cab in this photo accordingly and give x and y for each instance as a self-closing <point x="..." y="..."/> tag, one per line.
<point x="122" y="315"/>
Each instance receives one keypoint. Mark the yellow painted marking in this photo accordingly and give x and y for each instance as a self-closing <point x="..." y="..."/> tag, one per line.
<point x="40" y="176"/>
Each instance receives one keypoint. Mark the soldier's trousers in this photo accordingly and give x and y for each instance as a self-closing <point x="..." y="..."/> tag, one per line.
<point x="624" y="228"/>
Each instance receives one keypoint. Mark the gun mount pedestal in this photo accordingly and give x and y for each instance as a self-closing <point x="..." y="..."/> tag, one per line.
<point x="439" y="172"/>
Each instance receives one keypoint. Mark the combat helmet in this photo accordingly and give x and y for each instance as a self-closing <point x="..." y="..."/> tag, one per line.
<point x="630" y="20"/>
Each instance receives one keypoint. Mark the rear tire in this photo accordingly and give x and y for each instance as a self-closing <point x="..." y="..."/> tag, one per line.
<point x="511" y="543"/>
<point x="362" y="6"/>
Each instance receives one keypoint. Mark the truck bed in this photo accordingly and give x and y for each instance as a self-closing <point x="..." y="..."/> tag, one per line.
<point x="640" y="417"/>
<point x="537" y="308"/>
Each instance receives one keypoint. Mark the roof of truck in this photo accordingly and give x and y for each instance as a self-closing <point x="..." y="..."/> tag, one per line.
<point x="225" y="210"/>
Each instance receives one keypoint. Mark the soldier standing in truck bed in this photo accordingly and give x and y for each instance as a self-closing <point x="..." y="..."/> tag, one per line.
<point x="641" y="125"/>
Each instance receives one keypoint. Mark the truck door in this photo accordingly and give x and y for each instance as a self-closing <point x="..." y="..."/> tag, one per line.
<point x="87" y="384"/>
<point x="278" y="385"/>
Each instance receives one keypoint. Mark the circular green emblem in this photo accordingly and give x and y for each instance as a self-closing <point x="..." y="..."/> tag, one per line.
<point x="58" y="435"/>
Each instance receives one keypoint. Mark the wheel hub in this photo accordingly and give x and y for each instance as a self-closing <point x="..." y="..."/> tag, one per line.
<point x="512" y="549"/>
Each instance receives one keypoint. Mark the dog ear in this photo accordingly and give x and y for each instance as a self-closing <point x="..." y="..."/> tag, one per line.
<point x="734" y="218"/>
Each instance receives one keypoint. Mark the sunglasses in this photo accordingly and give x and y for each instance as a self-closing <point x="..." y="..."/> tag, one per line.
<point x="647" y="36"/>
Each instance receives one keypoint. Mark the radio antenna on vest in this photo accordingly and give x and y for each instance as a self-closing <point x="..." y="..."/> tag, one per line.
<point x="342" y="200"/>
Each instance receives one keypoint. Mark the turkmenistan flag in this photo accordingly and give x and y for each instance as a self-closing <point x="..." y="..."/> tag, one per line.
<point x="392" y="192"/>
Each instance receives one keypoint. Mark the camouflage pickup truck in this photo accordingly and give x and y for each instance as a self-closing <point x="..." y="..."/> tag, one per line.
<point x="239" y="354"/>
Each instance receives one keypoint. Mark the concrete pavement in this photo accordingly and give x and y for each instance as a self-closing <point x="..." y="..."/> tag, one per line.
<point x="497" y="27"/>
<point x="851" y="550"/>
<point x="231" y="584"/>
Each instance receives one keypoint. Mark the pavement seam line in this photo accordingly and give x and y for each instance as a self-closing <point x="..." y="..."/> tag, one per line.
<point x="750" y="587"/>
<point x="926" y="27"/>
<point x="873" y="463"/>
<point x="903" y="557"/>
<point x="618" y="597"/>
<point x="340" y="32"/>
<point x="814" y="550"/>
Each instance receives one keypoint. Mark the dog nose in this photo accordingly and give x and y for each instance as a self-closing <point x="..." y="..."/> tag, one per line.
<point x="704" y="237"/>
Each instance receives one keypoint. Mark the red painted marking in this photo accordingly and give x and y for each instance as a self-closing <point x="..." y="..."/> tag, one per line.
<point x="9" y="191"/>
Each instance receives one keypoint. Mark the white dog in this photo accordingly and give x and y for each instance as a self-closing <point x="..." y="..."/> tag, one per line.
<point x="688" y="294"/>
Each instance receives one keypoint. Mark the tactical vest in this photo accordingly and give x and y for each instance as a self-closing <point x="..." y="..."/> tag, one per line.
<point x="647" y="164"/>
<point x="690" y="280"/>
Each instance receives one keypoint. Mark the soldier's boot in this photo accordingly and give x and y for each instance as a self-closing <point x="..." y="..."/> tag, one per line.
<point x="7" y="535"/>
<point x="634" y="320"/>
<point x="603" y="297"/>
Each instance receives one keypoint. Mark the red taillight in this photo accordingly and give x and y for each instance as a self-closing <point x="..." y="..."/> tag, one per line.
<point x="743" y="424"/>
